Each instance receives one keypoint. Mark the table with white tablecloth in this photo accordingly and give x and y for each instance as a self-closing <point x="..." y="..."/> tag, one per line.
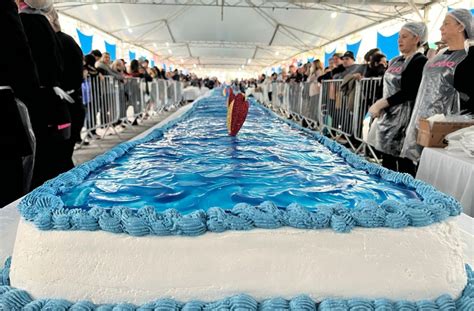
<point x="193" y="92"/>
<point x="451" y="172"/>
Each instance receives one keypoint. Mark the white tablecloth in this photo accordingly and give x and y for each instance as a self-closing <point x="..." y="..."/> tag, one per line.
<point x="451" y="172"/>
<point x="192" y="92"/>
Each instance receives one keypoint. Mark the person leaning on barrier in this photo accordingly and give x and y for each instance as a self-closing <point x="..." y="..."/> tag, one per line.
<point x="53" y="126"/>
<point x="437" y="94"/>
<point x="71" y="82"/>
<point x="369" y="54"/>
<point x="134" y="69"/>
<point x="376" y="69"/>
<point x="18" y="81"/>
<point x="119" y="66"/>
<point x="97" y="55"/>
<point x="330" y="65"/>
<point x="400" y="86"/>
<point x="377" y="66"/>
<point x="337" y="65"/>
<point x="103" y="66"/>
<point x="314" y="88"/>
<point x="349" y="65"/>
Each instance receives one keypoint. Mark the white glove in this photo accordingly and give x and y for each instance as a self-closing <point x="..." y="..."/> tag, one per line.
<point x="63" y="95"/>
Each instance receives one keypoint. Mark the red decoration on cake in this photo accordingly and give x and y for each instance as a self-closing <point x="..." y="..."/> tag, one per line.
<point x="237" y="110"/>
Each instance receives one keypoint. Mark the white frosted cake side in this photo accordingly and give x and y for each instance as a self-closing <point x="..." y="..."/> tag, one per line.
<point x="410" y="263"/>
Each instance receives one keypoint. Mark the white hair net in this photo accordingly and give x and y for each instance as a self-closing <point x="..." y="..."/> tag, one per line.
<point x="53" y="18"/>
<point x="419" y="29"/>
<point x="39" y="4"/>
<point x="464" y="17"/>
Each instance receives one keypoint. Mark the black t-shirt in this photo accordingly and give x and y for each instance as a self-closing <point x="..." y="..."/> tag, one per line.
<point x="463" y="81"/>
<point x="411" y="79"/>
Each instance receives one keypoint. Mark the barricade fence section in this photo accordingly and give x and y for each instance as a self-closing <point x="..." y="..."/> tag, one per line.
<point x="337" y="108"/>
<point x="110" y="102"/>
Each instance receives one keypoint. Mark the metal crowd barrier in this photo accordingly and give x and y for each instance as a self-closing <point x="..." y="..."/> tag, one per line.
<point x="110" y="102"/>
<point x="337" y="110"/>
<point x="368" y="91"/>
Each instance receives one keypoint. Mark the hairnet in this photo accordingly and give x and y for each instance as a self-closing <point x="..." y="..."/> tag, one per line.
<point x="464" y="17"/>
<point x="39" y="4"/>
<point x="419" y="29"/>
<point x="53" y="18"/>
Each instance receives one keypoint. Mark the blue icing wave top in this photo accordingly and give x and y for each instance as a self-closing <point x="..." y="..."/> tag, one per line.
<point x="189" y="177"/>
<point x="197" y="165"/>
<point x="17" y="299"/>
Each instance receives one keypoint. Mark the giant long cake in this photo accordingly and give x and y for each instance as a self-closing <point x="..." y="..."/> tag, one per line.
<point x="276" y="218"/>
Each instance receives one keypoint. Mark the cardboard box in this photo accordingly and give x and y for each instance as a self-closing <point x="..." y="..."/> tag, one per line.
<point x="434" y="136"/>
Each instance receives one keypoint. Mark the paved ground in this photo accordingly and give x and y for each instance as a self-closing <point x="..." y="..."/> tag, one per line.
<point x="99" y="146"/>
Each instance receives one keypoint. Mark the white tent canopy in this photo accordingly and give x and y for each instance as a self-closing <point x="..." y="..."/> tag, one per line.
<point x="224" y="34"/>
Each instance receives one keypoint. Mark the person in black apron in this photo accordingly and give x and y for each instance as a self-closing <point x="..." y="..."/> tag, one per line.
<point x="437" y="94"/>
<point x="52" y="128"/>
<point x="18" y="81"/>
<point x="71" y="82"/>
<point x="400" y="86"/>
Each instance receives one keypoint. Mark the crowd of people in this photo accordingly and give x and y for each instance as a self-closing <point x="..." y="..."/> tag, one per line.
<point x="419" y="83"/>
<point x="100" y="63"/>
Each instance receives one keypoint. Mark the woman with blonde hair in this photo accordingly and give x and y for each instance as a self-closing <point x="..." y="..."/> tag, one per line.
<point x="315" y="72"/>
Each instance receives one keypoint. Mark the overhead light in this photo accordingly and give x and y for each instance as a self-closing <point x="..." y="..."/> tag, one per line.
<point x="130" y="30"/>
<point x="277" y="53"/>
<point x="95" y="7"/>
<point x="333" y="14"/>
<point x="181" y="60"/>
<point x="154" y="44"/>
<point x="169" y="51"/>
<point x="194" y="66"/>
<point x="167" y="44"/>
<point x="249" y="61"/>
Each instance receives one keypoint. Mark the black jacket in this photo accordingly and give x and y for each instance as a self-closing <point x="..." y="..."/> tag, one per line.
<point x="72" y="76"/>
<point x="17" y="68"/>
<point x="46" y="52"/>
<point x="411" y="80"/>
<point x="45" y="48"/>
<point x="18" y="71"/>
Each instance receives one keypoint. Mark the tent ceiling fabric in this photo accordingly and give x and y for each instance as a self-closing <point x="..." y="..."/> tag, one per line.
<point x="220" y="33"/>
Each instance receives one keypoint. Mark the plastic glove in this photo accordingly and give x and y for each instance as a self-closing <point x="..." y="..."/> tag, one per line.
<point x="377" y="107"/>
<point x="63" y="95"/>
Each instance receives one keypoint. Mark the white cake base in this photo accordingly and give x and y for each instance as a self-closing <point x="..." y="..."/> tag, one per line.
<point x="411" y="263"/>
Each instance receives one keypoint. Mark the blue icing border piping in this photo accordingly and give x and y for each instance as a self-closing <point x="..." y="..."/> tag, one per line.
<point x="17" y="299"/>
<point x="44" y="207"/>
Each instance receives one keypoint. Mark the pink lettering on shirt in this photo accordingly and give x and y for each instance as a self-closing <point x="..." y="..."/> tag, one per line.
<point x="63" y="126"/>
<point x="442" y="63"/>
<point x="394" y="69"/>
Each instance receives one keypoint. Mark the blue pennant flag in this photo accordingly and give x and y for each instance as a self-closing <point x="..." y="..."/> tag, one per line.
<point x="388" y="45"/>
<point x="111" y="49"/>
<point x="327" y="56"/>
<point x="354" y="48"/>
<point x="85" y="41"/>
